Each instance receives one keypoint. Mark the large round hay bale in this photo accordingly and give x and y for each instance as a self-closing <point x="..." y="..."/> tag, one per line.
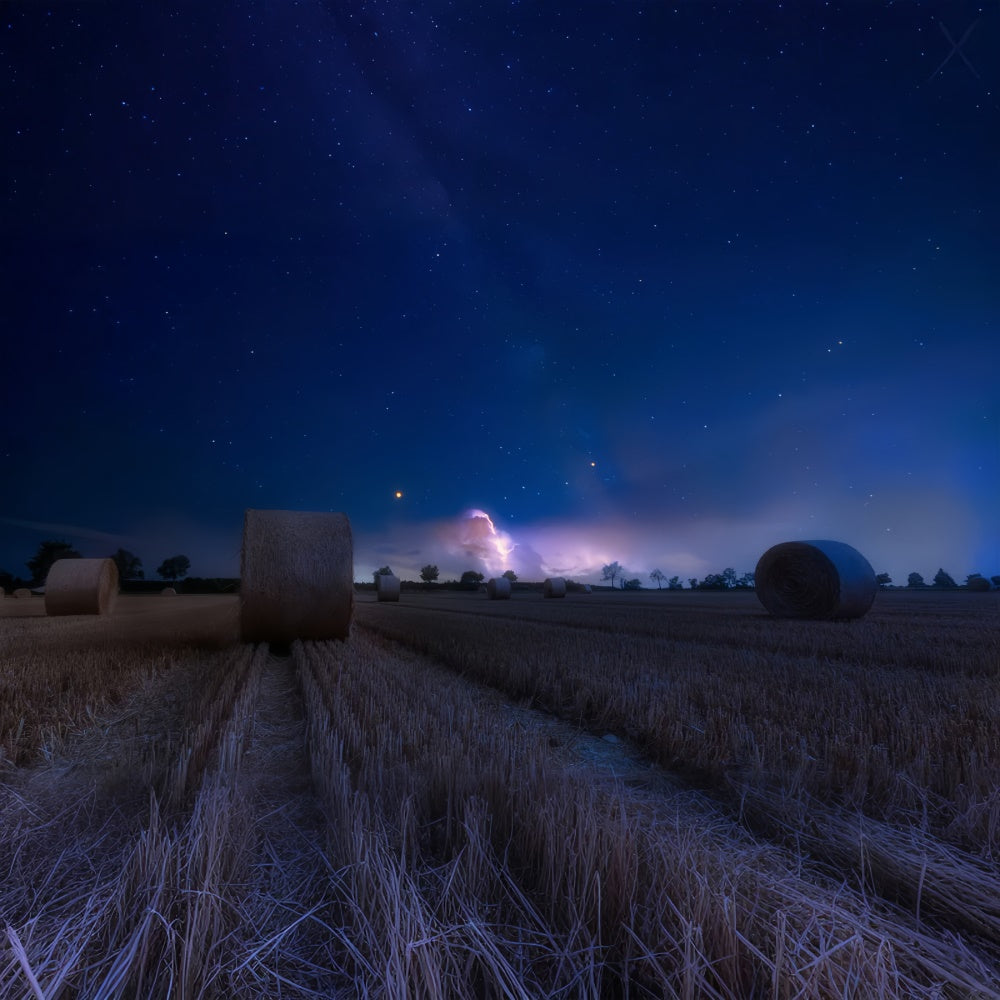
<point x="21" y="592"/>
<point x="815" y="579"/>
<point x="498" y="588"/>
<point x="387" y="587"/>
<point x="297" y="576"/>
<point x="554" y="586"/>
<point x="81" y="587"/>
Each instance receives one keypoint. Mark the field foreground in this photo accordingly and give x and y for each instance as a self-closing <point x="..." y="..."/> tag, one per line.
<point x="610" y="795"/>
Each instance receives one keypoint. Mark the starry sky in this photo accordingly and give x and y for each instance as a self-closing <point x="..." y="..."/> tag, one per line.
<point x="657" y="282"/>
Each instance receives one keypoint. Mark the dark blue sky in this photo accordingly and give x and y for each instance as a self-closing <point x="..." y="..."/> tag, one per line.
<point x="664" y="283"/>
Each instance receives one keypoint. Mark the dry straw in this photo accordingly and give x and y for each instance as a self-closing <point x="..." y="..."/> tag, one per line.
<point x="498" y="587"/>
<point x="816" y="579"/>
<point x="297" y="571"/>
<point x="554" y="586"/>
<point x="387" y="587"/>
<point x="81" y="587"/>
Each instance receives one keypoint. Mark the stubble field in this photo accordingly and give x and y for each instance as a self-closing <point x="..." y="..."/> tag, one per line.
<point x="609" y="795"/>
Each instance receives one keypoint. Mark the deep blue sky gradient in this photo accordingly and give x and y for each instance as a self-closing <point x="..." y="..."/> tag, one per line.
<point x="664" y="283"/>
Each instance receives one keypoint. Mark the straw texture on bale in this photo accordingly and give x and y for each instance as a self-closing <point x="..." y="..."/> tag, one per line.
<point x="81" y="587"/>
<point x="387" y="587"/>
<point x="21" y="592"/>
<point x="816" y="579"/>
<point x="554" y="586"/>
<point x="168" y="592"/>
<point x="498" y="588"/>
<point x="297" y="576"/>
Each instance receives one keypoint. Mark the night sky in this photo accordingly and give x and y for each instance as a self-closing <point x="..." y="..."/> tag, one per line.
<point x="663" y="283"/>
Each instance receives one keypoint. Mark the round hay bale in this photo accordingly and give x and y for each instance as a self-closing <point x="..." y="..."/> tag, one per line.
<point x="81" y="587"/>
<point x="816" y="579"/>
<point x="978" y="584"/>
<point x="387" y="587"/>
<point x="21" y="593"/>
<point x="168" y="592"/>
<point x="498" y="588"/>
<point x="297" y="576"/>
<point x="554" y="586"/>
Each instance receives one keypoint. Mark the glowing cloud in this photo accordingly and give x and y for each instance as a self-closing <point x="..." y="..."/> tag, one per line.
<point x="475" y="536"/>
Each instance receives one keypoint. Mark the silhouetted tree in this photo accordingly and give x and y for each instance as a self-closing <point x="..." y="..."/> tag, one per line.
<point x="429" y="573"/>
<point x="693" y="583"/>
<point x="915" y="580"/>
<point x="383" y="571"/>
<point x="634" y="584"/>
<point x="978" y="582"/>
<point x="509" y="574"/>
<point x="674" y="583"/>
<point x="659" y="576"/>
<point x="995" y="581"/>
<point x="943" y="579"/>
<point x="747" y="581"/>
<point x="174" y="568"/>
<point x="471" y="576"/>
<point x="883" y="579"/>
<point x="610" y="571"/>
<point x="129" y="565"/>
<point x="6" y="580"/>
<point x="47" y="554"/>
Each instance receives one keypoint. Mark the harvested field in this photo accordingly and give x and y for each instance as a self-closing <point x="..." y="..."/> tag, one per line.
<point x="643" y="795"/>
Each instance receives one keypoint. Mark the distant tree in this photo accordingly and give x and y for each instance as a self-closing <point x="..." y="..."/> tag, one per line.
<point x="995" y="581"/>
<point x="174" y="568"/>
<point x="634" y="584"/>
<point x="659" y="576"/>
<point x="6" y="580"/>
<point x="610" y="571"/>
<point x="693" y="583"/>
<point x="729" y="577"/>
<point x="976" y="581"/>
<point x="943" y="579"/>
<point x="883" y="579"/>
<point x="714" y="581"/>
<point x="429" y="573"/>
<point x="47" y="554"/>
<point x="915" y="580"/>
<point x="471" y="576"/>
<point x="746" y="582"/>
<point x="383" y="571"/>
<point x="509" y="574"/>
<point x="674" y="583"/>
<point x="129" y="565"/>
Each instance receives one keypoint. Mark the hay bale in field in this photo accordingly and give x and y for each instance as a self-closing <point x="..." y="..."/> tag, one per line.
<point x="21" y="592"/>
<point x="819" y="579"/>
<point x="387" y="587"/>
<point x="978" y="584"/>
<point x="81" y="587"/>
<point x="498" y="588"/>
<point x="554" y="586"/>
<point x="297" y="570"/>
<point x="168" y="592"/>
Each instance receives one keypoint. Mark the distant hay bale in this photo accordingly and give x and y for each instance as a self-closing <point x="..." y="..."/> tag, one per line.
<point x="978" y="584"/>
<point x="816" y="579"/>
<point x="81" y="587"/>
<point x="168" y="592"/>
<point x="21" y="592"/>
<point x="498" y="588"/>
<point x="387" y="587"/>
<point x="297" y="576"/>
<point x="554" y="586"/>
